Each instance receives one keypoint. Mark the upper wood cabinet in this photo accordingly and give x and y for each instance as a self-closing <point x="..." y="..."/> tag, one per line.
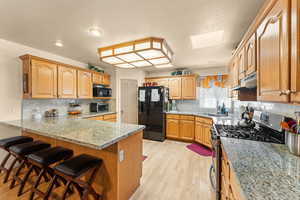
<point x="188" y="87"/>
<point x="97" y="78"/>
<point x="175" y="88"/>
<point x="85" y="86"/>
<point x="234" y="73"/>
<point x="273" y="54"/>
<point x="180" y="87"/>
<point x="39" y="78"/>
<point x="241" y="64"/>
<point x="106" y="79"/>
<point x="67" y="82"/>
<point x="250" y="55"/>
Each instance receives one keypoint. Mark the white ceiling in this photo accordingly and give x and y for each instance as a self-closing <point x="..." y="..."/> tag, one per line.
<point x="39" y="23"/>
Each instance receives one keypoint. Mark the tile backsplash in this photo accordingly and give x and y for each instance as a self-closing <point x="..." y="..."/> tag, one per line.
<point x="28" y="105"/>
<point x="278" y="108"/>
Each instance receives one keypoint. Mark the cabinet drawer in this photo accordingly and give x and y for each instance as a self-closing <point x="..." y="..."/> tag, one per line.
<point x="110" y="116"/>
<point x="204" y="120"/>
<point x="187" y="117"/>
<point x="172" y="116"/>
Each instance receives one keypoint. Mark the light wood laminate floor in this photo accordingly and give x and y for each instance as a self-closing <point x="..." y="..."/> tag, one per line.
<point x="172" y="172"/>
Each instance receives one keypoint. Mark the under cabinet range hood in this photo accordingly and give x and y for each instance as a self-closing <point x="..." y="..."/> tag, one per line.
<point x="248" y="82"/>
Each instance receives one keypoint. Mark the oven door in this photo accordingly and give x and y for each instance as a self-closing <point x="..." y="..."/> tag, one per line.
<point x="215" y="168"/>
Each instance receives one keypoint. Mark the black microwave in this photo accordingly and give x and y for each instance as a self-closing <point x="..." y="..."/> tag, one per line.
<point x="99" y="107"/>
<point x="100" y="91"/>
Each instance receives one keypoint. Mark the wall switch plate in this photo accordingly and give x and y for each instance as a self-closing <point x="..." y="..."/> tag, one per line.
<point x="121" y="155"/>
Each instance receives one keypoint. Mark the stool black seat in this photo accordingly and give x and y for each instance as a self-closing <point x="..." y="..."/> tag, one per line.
<point x="78" y="165"/>
<point x="41" y="160"/>
<point x="21" y="150"/>
<point x="28" y="148"/>
<point x="5" y="144"/>
<point x="8" y="142"/>
<point x="72" y="170"/>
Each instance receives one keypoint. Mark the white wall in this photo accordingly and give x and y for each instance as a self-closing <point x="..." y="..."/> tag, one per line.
<point x="199" y="71"/>
<point x="11" y="76"/>
<point x="133" y="74"/>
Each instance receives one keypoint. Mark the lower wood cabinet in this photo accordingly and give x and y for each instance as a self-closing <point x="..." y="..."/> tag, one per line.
<point x="189" y="128"/>
<point x="108" y="118"/>
<point x="230" y="190"/>
<point x="173" y="128"/>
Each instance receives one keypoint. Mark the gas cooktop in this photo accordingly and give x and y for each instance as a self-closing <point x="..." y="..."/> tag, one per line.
<point x="257" y="133"/>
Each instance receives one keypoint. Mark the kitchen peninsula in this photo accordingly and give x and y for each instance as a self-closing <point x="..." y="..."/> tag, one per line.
<point x="119" y="145"/>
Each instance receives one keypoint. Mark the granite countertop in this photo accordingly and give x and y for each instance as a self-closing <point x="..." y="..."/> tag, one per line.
<point x="91" y="133"/>
<point x="264" y="170"/>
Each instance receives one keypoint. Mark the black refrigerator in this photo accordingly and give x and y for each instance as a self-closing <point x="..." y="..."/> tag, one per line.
<point x="153" y="102"/>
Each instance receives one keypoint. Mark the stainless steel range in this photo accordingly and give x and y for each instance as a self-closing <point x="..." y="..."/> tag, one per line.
<point x="263" y="127"/>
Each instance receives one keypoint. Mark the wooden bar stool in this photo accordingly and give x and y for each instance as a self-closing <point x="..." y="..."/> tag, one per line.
<point x="72" y="171"/>
<point x="5" y="144"/>
<point x="40" y="161"/>
<point x="21" y="150"/>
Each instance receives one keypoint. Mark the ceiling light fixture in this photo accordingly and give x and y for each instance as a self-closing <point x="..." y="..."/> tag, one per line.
<point x="59" y="43"/>
<point x="95" y="31"/>
<point x="207" y="39"/>
<point x="145" y="52"/>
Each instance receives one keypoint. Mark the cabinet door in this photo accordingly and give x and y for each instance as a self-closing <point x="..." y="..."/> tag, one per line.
<point x="188" y="87"/>
<point x="207" y="135"/>
<point x="106" y="79"/>
<point x="198" y="132"/>
<point x="187" y="129"/>
<point x="97" y="78"/>
<point x="234" y="73"/>
<point x="44" y="79"/>
<point x="67" y="82"/>
<point x="250" y="55"/>
<point x="175" y="88"/>
<point x="163" y="82"/>
<point x="241" y="64"/>
<point x="273" y="54"/>
<point x="172" y="128"/>
<point x="85" y="86"/>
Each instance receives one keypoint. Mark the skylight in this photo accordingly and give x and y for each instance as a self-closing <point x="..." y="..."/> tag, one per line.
<point x="207" y="39"/>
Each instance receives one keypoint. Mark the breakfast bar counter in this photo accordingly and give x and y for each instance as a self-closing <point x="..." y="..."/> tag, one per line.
<point x="119" y="145"/>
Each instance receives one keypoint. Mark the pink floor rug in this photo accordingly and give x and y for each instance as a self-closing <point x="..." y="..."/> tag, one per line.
<point x="199" y="149"/>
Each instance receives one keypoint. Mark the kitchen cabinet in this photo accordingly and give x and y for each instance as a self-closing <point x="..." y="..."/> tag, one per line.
<point x="97" y="78"/>
<point x="250" y="55"/>
<point x="187" y="128"/>
<point x="180" y="87"/>
<point x="202" y="131"/>
<point x="229" y="187"/>
<point x="39" y="78"/>
<point x="241" y="64"/>
<point x="188" y="87"/>
<point x="172" y="128"/>
<point x="107" y="117"/>
<point x="85" y="86"/>
<point x="106" y="79"/>
<point x="175" y="88"/>
<point x="67" y="82"/>
<point x="273" y="54"/>
<point x="234" y="73"/>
